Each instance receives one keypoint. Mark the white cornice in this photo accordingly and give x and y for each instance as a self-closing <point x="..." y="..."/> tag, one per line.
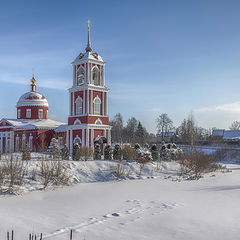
<point x="88" y="86"/>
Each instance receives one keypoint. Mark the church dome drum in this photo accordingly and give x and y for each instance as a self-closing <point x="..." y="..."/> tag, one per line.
<point x="32" y="105"/>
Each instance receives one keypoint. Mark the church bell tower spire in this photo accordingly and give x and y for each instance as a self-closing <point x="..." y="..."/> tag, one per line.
<point x="88" y="48"/>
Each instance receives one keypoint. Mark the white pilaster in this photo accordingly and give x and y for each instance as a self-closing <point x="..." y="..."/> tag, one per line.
<point x="73" y="112"/>
<point x="106" y="113"/>
<point x="11" y="141"/>
<point x="103" y="113"/>
<point x="84" y="101"/>
<point x="67" y="140"/>
<point x="1" y="134"/>
<point x="71" y="142"/>
<point x="87" y="102"/>
<point x="83" y="137"/>
<point x="92" y="137"/>
<point x="87" y="137"/>
<point x="91" y="102"/>
<point x="109" y="137"/>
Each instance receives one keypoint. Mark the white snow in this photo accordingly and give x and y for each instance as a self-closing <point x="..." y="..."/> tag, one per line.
<point x="154" y="208"/>
<point x="34" y="124"/>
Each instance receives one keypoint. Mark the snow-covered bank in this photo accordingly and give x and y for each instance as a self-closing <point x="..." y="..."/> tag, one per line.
<point x="145" y="209"/>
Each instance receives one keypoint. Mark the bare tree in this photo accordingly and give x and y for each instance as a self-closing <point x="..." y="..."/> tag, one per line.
<point x="164" y="124"/>
<point x="235" y="125"/>
<point x="117" y="128"/>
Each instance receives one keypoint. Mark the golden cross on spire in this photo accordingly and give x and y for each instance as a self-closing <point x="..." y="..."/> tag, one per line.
<point x="88" y="24"/>
<point x="33" y="80"/>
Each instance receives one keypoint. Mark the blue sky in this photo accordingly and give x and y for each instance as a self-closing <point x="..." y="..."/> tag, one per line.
<point x="169" y="57"/>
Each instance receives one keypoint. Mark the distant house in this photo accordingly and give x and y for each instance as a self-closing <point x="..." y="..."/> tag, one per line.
<point x="231" y="135"/>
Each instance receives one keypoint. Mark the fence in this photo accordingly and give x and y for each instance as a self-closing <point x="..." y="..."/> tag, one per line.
<point x="11" y="236"/>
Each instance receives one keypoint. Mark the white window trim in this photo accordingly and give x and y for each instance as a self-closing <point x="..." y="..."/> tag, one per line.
<point x="28" y="113"/>
<point x="79" y="101"/>
<point x="83" y="80"/>
<point x="40" y="112"/>
<point x="99" y="103"/>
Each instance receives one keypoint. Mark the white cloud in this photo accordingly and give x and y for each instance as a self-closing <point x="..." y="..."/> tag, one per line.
<point x="229" y="107"/>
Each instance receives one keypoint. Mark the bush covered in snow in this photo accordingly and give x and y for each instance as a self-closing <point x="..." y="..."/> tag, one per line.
<point x="154" y="152"/>
<point x="108" y="153"/>
<point x="117" y="152"/>
<point x="97" y="152"/>
<point x="76" y="152"/>
<point x="54" y="148"/>
<point x="129" y="153"/>
<point x="65" y="153"/>
<point x="170" y="151"/>
<point x="86" y="153"/>
<point x="26" y="154"/>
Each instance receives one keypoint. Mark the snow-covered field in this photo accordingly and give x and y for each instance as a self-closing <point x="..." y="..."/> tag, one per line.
<point x="153" y="207"/>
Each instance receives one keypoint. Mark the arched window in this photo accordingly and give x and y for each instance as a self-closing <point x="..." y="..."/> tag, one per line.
<point x="77" y="140"/>
<point x="96" y="76"/>
<point x="97" y="106"/>
<point x="80" y="76"/>
<point x="79" y="107"/>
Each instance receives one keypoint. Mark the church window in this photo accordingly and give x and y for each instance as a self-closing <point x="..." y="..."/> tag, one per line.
<point x="17" y="144"/>
<point x="40" y="113"/>
<point x="23" y="141"/>
<point x="79" y="104"/>
<point x="97" y="106"/>
<point x="80" y="76"/>
<point x="31" y="142"/>
<point x="19" y="113"/>
<point x="96" y="76"/>
<point x="77" y="140"/>
<point x="28" y="113"/>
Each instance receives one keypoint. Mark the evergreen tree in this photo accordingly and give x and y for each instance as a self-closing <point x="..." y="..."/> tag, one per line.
<point x="0" y="155"/>
<point x="140" y="134"/>
<point x="76" y="152"/>
<point x="117" y="152"/>
<point x="26" y="154"/>
<point x="65" y="153"/>
<point x="97" y="152"/>
<point x="154" y="152"/>
<point x="108" y="153"/>
<point x="54" y="148"/>
<point x="137" y="146"/>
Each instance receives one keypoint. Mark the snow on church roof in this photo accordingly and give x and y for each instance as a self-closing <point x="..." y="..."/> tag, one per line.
<point x="89" y="55"/>
<point x="32" y="99"/>
<point x="34" y="124"/>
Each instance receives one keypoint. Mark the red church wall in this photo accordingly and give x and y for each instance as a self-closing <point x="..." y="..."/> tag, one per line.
<point x="98" y="132"/>
<point x="88" y="119"/>
<point x="34" y="112"/>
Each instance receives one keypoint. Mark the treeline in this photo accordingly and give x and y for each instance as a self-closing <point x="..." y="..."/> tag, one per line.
<point x="132" y="132"/>
<point x="188" y="132"/>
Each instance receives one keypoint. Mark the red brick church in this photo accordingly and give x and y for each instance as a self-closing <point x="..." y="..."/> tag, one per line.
<point x="88" y="119"/>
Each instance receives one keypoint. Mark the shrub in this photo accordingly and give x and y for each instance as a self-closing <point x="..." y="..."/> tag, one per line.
<point x="197" y="163"/>
<point x="65" y="153"/>
<point x="86" y="153"/>
<point x="54" y="148"/>
<point x="129" y="153"/>
<point x="11" y="173"/>
<point x="97" y="152"/>
<point x="54" y="173"/>
<point x="154" y="152"/>
<point x="169" y="152"/>
<point x="26" y="154"/>
<point x="117" y="152"/>
<point x="76" y="152"/>
<point x="121" y="170"/>
<point x="144" y="156"/>
<point x="108" y="153"/>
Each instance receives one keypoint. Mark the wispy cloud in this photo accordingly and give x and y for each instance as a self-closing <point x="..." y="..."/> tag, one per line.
<point x="229" y="107"/>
